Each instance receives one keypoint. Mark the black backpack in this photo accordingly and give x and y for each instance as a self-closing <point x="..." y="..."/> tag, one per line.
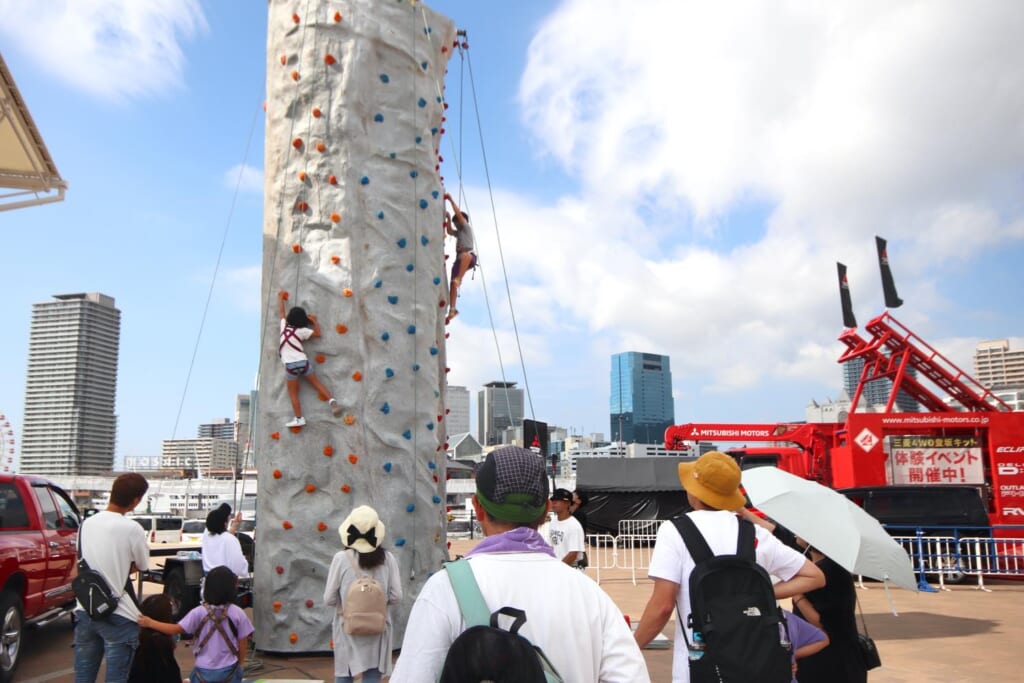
<point x="733" y="608"/>
<point x="485" y="651"/>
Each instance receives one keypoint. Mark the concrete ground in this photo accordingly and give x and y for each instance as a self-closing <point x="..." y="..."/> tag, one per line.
<point x="958" y="635"/>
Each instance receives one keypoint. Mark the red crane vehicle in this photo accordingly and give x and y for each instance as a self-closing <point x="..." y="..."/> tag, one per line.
<point x="970" y="438"/>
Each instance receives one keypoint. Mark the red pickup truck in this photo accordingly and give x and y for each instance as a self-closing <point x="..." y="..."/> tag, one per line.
<point x="38" y="553"/>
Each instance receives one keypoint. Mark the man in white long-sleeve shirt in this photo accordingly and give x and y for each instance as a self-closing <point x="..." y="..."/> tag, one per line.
<point x="568" y="616"/>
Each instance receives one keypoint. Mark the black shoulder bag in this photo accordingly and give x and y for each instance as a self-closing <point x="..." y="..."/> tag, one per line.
<point x="92" y="590"/>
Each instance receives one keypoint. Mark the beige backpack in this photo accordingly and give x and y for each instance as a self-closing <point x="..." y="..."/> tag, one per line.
<point x="365" y="609"/>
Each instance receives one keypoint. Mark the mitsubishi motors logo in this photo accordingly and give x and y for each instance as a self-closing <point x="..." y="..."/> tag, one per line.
<point x="866" y="439"/>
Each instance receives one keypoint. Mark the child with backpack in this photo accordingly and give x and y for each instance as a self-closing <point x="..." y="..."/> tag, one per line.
<point x="154" y="660"/>
<point x="296" y="327"/>
<point x="362" y="582"/>
<point x="219" y="627"/>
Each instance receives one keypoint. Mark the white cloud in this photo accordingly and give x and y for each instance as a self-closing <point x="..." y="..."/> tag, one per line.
<point x="246" y="178"/>
<point x="112" y="49"/>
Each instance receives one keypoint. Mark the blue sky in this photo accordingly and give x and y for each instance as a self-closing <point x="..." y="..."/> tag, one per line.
<point x="672" y="177"/>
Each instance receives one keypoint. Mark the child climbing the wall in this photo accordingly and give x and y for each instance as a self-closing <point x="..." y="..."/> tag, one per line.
<point x="457" y="225"/>
<point x="220" y="627"/>
<point x="296" y="327"/>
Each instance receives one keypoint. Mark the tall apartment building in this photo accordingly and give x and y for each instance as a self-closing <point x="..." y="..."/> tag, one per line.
<point x="876" y="393"/>
<point x="457" y="402"/>
<point x="70" y="388"/>
<point x="499" y="406"/>
<point x="221" y="428"/>
<point x="199" y="454"/>
<point x="641" y="397"/>
<point x="995" y="365"/>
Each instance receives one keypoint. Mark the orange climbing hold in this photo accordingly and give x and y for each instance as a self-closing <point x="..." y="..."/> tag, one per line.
<point x="284" y="60"/>
<point x="321" y="527"/>
<point x="284" y="295"/>
<point x="333" y="180"/>
<point x="295" y="75"/>
<point x="335" y="260"/>
<point x="277" y="474"/>
<point x="320" y="358"/>
<point x="320" y="147"/>
<point x="342" y="329"/>
<point x="345" y="488"/>
<point x="302" y="176"/>
<point x="350" y="420"/>
<point x="335" y="217"/>
<point x="337" y="17"/>
<point x="295" y="18"/>
<point x="347" y="292"/>
<point x="297" y="143"/>
<point x="286" y="524"/>
<point x="310" y="488"/>
<point x="277" y="607"/>
<point x="329" y="59"/>
<point x="316" y="112"/>
<point x="302" y="206"/>
<point x="328" y="451"/>
<point x="295" y="430"/>
<point x="357" y="376"/>
<point x="294" y="638"/>
<point x="275" y="435"/>
<point x="297" y="248"/>
<point x="353" y="458"/>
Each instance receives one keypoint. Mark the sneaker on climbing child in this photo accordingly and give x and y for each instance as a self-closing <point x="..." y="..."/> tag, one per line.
<point x="335" y="408"/>
<point x="297" y="422"/>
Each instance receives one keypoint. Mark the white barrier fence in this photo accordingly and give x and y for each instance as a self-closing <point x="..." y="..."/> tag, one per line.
<point x="947" y="559"/>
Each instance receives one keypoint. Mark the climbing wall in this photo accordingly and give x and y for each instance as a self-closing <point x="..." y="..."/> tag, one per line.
<point x="353" y="232"/>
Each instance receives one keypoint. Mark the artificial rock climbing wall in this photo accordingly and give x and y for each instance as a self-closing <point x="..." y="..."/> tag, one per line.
<point x="353" y="231"/>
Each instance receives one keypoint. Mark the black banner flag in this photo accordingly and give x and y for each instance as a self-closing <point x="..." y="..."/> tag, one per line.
<point x="844" y="297"/>
<point x="892" y="299"/>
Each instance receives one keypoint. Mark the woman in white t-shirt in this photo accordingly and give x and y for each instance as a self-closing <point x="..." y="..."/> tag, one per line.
<point x="220" y="546"/>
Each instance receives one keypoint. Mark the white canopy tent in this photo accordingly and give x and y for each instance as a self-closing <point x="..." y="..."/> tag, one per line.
<point x="28" y="176"/>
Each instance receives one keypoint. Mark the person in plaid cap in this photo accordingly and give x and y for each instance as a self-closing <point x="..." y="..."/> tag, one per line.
<point x="515" y="567"/>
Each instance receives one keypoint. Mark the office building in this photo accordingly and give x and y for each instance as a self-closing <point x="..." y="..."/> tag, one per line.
<point x="222" y="428"/>
<point x="499" y="406"/>
<point x="995" y="365"/>
<point x="641" y="397"/>
<point x="875" y="393"/>
<point x="199" y="455"/>
<point x="70" y="388"/>
<point x="457" y="403"/>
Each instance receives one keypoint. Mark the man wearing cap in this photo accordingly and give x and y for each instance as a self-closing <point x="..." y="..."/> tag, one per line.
<point x="515" y="567"/>
<point x="712" y="485"/>
<point x="564" y="532"/>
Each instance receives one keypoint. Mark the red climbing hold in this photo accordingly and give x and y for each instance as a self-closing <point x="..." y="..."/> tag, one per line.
<point x="329" y="59"/>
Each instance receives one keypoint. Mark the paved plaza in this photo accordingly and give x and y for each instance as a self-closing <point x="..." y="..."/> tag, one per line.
<point x="962" y="634"/>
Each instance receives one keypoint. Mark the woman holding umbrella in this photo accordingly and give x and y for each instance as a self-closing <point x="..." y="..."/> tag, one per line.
<point x="832" y="609"/>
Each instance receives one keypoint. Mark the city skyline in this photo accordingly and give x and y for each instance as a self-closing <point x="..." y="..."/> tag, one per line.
<point x="690" y="195"/>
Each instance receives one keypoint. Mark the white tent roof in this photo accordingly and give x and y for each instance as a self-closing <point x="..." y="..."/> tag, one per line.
<point x="28" y="175"/>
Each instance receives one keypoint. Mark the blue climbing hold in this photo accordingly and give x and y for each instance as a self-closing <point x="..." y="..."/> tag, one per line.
<point x="433" y="350"/>
<point x="432" y="465"/>
<point x="387" y="467"/>
<point x="401" y="243"/>
<point x="424" y="65"/>
<point x="423" y="240"/>
<point x="364" y="180"/>
<point x="433" y="131"/>
<point x="406" y="435"/>
<point x="413" y="174"/>
<point x="377" y="284"/>
<point x="415" y="367"/>
<point x="410" y="267"/>
<point x="389" y="373"/>
<point x="428" y="30"/>
<point x="380" y="215"/>
<point x="430" y="426"/>
<point x="392" y="299"/>
<point x="438" y="98"/>
<point x="418" y="139"/>
<point x="436" y="499"/>
<point x="378" y="117"/>
<point x="421" y="103"/>
<point x="411" y="329"/>
<point x="399" y="542"/>
<point x="385" y="336"/>
<point x="384" y="78"/>
<point x="424" y="203"/>
<point x="437" y="280"/>
<point x="435" y="194"/>
<point x="392" y="155"/>
<point x="385" y="408"/>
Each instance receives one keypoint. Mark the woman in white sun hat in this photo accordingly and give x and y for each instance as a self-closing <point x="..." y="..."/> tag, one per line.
<point x="363" y="560"/>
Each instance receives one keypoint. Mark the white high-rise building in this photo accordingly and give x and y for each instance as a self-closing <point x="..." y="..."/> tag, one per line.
<point x="457" y="402"/>
<point x="499" y="406"/>
<point x="70" y="426"/>
<point x="995" y="365"/>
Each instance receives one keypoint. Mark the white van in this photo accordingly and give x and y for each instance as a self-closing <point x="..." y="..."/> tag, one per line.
<point x="161" y="529"/>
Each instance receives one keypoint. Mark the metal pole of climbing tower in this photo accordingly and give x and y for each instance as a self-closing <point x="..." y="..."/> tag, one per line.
<point x="353" y="233"/>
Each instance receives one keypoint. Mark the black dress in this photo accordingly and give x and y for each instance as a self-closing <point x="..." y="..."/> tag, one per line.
<point x="836" y="602"/>
<point x="154" y="660"/>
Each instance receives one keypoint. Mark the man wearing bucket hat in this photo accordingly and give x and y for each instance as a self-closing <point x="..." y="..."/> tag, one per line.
<point x="362" y="534"/>
<point x="515" y="567"/>
<point x="712" y="485"/>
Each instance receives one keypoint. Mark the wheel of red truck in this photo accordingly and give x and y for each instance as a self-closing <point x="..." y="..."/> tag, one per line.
<point x="11" y="627"/>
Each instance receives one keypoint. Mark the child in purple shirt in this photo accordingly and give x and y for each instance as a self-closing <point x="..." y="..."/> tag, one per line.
<point x="806" y="638"/>
<point x="220" y="629"/>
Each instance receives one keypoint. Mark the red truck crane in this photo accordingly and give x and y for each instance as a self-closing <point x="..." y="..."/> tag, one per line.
<point x="972" y="437"/>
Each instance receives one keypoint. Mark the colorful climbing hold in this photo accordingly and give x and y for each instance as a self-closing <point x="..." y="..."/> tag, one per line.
<point x="345" y="488"/>
<point x="335" y="217"/>
<point x="302" y="176"/>
<point x="309" y="603"/>
<point x="378" y="117"/>
<point x="302" y="206"/>
<point x="392" y="299"/>
<point x="423" y="65"/>
<point x="437" y="280"/>
<point x="294" y="638"/>
<point x="418" y="139"/>
<point x="357" y="376"/>
<point x="320" y="358"/>
<point x="350" y="420"/>
<point x="275" y="435"/>
<point x="295" y="18"/>
<point x="328" y="451"/>
<point x="316" y="112"/>
<point x="320" y="147"/>
<point x="435" y="479"/>
<point x="297" y="248"/>
<point x="377" y="284"/>
<point x="401" y="243"/>
<point x="347" y="292"/>
<point x="385" y="408"/>
<point x="433" y="350"/>
<point x="389" y="373"/>
<point x="329" y="59"/>
<point x="279" y="569"/>
<point x="423" y="240"/>
<point x="430" y="426"/>
<point x="387" y="467"/>
<point x="380" y="215"/>
<point x="310" y="488"/>
<point x="333" y="180"/>
<point x="385" y="336"/>
<point x="436" y="499"/>
<point x="297" y="143"/>
<point x="399" y="542"/>
<point x="410" y="267"/>
<point x="410" y="507"/>
<point x="407" y="435"/>
<point x="435" y="194"/>
<point x="286" y="524"/>
<point x="341" y="329"/>
<point x="432" y="465"/>
<point x="353" y="458"/>
<point x="277" y="607"/>
<point x="337" y="16"/>
<point x="384" y="78"/>
<point x="441" y="303"/>
<point x="415" y="367"/>
<point x="414" y="174"/>
<point x="420" y="102"/>
<point x="277" y="474"/>
<point x="411" y="329"/>
<point x="335" y="260"/>
<point x="424" y="203"/>
<point x="284" y="60"/>
<point x="364" y="180"/>
<point x="295" y="75"/>
<point x="321" y="527"/>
